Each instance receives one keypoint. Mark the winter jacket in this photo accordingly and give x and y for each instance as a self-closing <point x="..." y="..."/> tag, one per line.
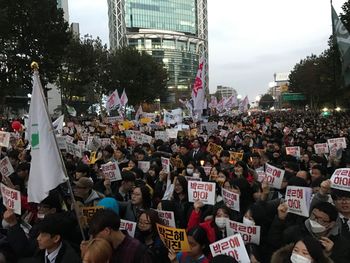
<point x="283" y="255"/>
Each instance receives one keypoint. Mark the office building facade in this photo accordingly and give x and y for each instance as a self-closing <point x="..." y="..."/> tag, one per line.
<point x="174" y="32"/>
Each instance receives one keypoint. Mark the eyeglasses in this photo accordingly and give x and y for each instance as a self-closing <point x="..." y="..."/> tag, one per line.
<point x="318" y="219"/>
<point x="342" y="200"/>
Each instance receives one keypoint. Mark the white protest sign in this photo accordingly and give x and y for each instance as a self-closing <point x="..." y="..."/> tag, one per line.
<point x="11" y="198"/>
<point x="191" y="178"/>
<point x="261" y="175"/>
<point x="274" y="176"/>
<point x="250" y="234"/>
<point x="111" y="171"/>
<point x="128" y="226"/>
<point x="298" y="200"/>
<point x="105" y="141"/>
<point x="81" y="145"/>
<point x="166" y="164"/>
<point x="337" y="143"/>
<point x="74" y="149"/>
<point x="161" y="135"/>
<point x="167" y="217"/>
<point x="144" y="166"/>
<point x="146" y="138"/>
<point x="6" y="168"/>
<point x="230" y="199"/>
<point x="209" y="127"/>
<point x="62" y="142"/>
<point x="69" y="139"/>
<point x="94" y="144"/>
<point x="171" y="133"/>
<point x="341" y="179"/>
<point x="202" y="191"/>
<point x="4" y="139"/>
<point x="321" y="148"/>
<point x="232" y="246"/>
<point x="294" y="151"/>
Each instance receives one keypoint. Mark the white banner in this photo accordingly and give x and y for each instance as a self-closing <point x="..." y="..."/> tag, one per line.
<point x="298" y="200"/>
<point x="274" y="176"/>
<point x="231" y="199"/>
<point x="341" y="179"/>
<point x="232" y="246"/>
<point x="11" y="198"/>
<point x="321" y="148"/>
<point x="111" y="171"/>
<point x="337" y="143"/>
<point x="202" y="191"/>
<point x="4" y="139"/>
<point x="128" y="226"/>
<point x="6" y="168"/>
<point x="250" y="234"/>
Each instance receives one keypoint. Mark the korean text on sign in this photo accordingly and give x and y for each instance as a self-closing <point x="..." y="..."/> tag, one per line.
<point x="298" y="200"/>
<point x="274" y="176"/>
<point x="202" y="191"/>
<point x="341" y="179"/>
<point x="128" y="226"/>
<point x="111" y="171"/>
<point x="167" y="217"/>
<point x="11" y="198"/>
<point x="232" y="246"/>
<point x="231" y="199"/>
<point x="174" y="238"/>
<point x="6" y="168"/>
<point x="250" y="234"/>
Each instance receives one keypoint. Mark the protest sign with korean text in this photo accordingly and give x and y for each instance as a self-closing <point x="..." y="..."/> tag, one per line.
<point x="11" y="198"/>
<point x="6" y="168"/>
<point x="74" y="150"/>
<point x="293" y="151"/>
<point x="111" y="171"/>
<point x="321" y="148"/>
<point x="230" y="199"/>
<point x="161" y="135"/>
<point x="174" y="238"/>
<point x="232" y="246"/>
<point x="171" y="133"/>
<point x="167" y="217"/>
<point x="337" y="143"/>
<point x="202" y="191"/>
<point x="128" y="226"/>
<point x="298" y="200"/>
<point x="191" y="178"/>
<point x="87" y="213"/>
<point x="214" y="149"/>
<point x="341" y="179"/>
<point x="4" y="139"/>
<point x="250" y="234"/>
<point x="105" y="141"/>
<point x="235" y="156"/>
<point x="274" y="176"/>
<point x="166" y="164"/>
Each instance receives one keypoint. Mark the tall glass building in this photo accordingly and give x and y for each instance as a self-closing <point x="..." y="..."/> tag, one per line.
<point x="174" y="32"/>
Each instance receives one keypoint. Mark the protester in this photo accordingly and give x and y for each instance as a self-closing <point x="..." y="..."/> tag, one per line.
<point x="98" y="250"/>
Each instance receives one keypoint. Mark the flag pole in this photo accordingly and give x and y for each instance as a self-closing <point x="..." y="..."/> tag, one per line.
<point x="35" y="67"/>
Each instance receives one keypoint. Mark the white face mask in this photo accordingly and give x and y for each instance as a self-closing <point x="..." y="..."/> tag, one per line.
<point x="248" y="222"/>
<point x="197" y="175"/>
<point x="296" y="258"/>
<point x="220" y="222"/>
<point x="40" y="216"/>
<point x="316" y="227"/>
<point x="189" y="171"/>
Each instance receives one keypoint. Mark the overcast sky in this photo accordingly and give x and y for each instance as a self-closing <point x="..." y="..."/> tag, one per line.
<point x="249" y="40"/>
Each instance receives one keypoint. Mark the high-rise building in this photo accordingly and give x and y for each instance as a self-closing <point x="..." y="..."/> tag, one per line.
<point x="226" y="92"/>
<point x="174" y="32"/>
<point x="64" y="5"/>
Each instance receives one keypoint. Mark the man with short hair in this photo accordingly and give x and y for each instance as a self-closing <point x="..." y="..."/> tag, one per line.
<point x="105" y="224"/>
<point x="83" y="190"/>
<point x="127" y="184"/>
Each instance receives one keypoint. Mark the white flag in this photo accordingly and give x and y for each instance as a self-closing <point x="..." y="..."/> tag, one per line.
<point x="46" y="171"/>
<point x="58" y="124"/>
<point x="123" y="99"/>
<point x="230" y="102"/>
<point x="198" y="93"/>
<point x="112" y="101"/>
<point x="138" y="113"/>
<point x="213" y="102"/>
<point x="243" y="105"/>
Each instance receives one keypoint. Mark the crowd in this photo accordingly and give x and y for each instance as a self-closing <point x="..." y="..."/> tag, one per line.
<point x="51" y="231"/>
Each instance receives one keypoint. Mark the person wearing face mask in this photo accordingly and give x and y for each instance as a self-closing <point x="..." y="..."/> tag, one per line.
<point x="147" y="234"/>
<point x="306" y="250"/>
<point x="215" y="227"/>
<point x="321" y="225"/>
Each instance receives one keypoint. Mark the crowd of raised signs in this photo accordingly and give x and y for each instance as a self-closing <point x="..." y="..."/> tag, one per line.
<point x="268" y="187"/>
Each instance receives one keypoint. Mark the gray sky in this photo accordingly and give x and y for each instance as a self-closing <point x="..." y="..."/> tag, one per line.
<point x="249" y="40"/>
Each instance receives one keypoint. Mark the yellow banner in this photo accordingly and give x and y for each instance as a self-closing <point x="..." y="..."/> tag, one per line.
<point x="174" y="238"/>
<point x="214" y="149"/>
